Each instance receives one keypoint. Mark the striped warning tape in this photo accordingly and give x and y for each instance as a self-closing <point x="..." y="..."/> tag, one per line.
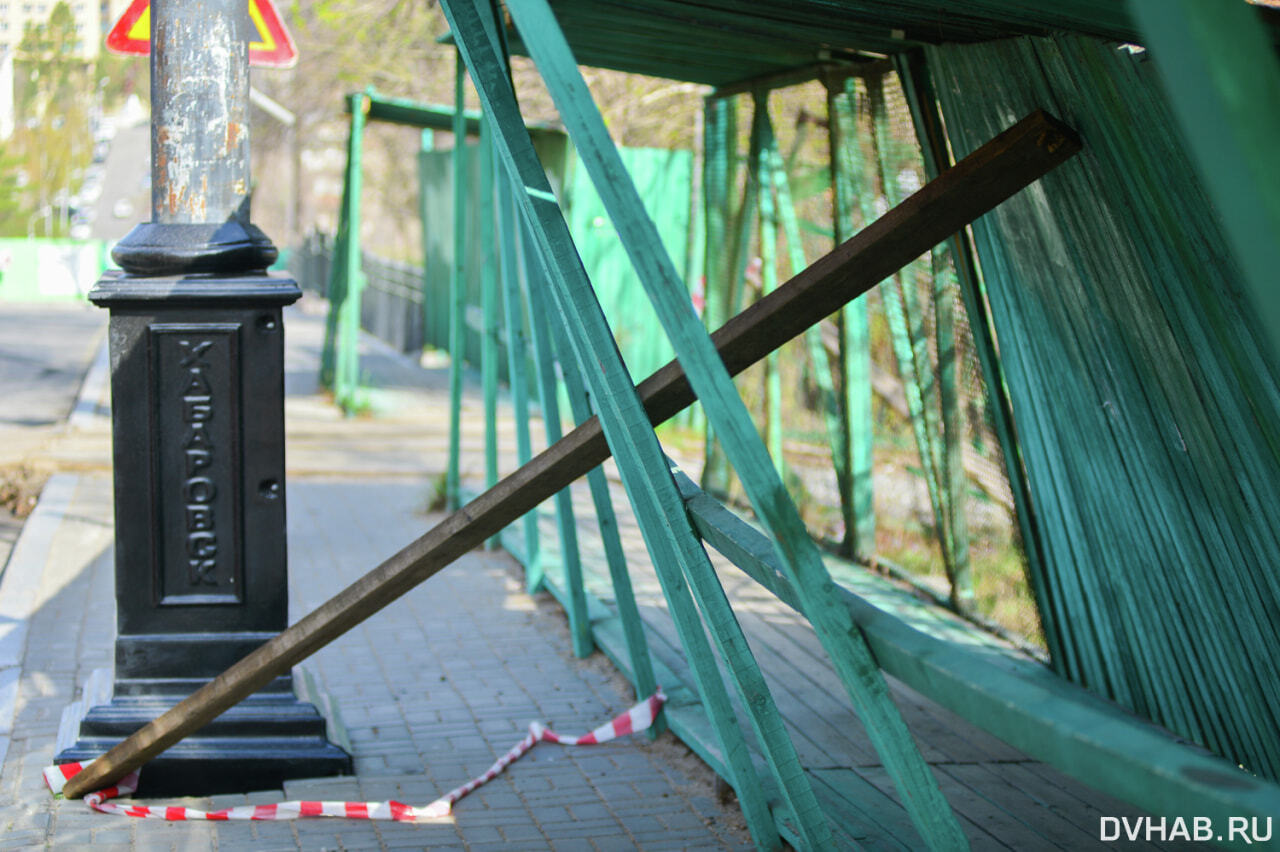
<point x="638" y="718"/>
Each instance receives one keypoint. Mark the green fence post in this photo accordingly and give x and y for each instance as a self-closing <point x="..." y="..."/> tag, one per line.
<point x="517" y="351"/>
<point x="910" y="346"/>
<point x="710" y="380"/>
<point x="719" y="165"/>
<point x="489" y="307"/>
<point x="768" y="273"/>
<point x="813" y="336"/>
<point x="855" y="334"/>
<point x="336" y="291"/>
<point x="665" y="525"/>
<point x="347" y="360"/>
<point x="426" y="145"/>
<point x="540" y="324"/>
<point x="457" y="283"/>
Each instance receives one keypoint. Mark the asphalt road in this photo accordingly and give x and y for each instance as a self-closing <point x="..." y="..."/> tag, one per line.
<point x="45" y="351"/>
<point x="126" y="182"/>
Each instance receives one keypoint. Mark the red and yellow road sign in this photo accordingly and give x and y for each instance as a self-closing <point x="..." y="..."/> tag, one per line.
<point x="271" y="47"/>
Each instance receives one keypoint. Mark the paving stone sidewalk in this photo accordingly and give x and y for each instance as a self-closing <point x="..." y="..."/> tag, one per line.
<point x="432" y="690"/>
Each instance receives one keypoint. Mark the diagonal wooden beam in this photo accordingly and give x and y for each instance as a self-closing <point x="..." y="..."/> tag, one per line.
<point x="975" y="185"/>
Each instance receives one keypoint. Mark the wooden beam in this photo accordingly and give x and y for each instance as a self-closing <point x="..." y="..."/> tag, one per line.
<point x="997" y="170"/>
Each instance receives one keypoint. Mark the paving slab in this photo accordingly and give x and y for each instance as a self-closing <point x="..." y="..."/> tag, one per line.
<point x="432" y="689"/>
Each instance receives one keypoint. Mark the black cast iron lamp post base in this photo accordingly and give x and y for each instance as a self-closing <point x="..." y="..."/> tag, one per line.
<point x="197" y="382"/>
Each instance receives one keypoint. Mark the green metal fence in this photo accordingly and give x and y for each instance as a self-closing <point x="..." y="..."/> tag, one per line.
<point x="923" y="346"/>
<point x="36" y="270"/>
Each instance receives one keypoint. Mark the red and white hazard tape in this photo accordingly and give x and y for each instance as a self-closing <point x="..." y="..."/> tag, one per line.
<point x="638" y="718"/>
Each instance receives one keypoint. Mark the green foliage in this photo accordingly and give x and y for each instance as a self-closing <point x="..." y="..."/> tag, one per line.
<point x="52" y="142"/>
<point x="118" y="77"/>
<point x="13" y="212"/>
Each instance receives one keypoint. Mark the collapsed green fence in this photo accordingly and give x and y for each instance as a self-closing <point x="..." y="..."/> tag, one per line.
<point x="1146" y="400"/>
<point x="942" y="322"/>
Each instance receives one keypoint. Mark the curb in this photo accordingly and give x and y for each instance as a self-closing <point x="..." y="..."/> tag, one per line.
<point x="19" y="586"/>
<point x="94" y="399"/>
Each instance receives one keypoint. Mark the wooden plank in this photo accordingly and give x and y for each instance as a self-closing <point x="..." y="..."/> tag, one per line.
<point x="976" y="184"/>
<point x="986" y="828"/>
<point x="873" y="818"/>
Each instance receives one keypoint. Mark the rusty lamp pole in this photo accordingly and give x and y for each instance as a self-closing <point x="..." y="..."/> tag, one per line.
<point x="197" y="381"/>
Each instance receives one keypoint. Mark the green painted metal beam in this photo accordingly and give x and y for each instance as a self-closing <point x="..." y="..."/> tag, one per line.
<point x="711" y="382"/>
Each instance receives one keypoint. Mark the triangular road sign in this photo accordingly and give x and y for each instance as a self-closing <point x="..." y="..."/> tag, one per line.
<point x="271" y="47"/>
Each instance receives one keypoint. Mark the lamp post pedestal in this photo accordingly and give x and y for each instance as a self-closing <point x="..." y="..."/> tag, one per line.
<point x="197" y="372"/>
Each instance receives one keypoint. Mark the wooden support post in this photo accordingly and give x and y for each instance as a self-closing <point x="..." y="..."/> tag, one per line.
<point x="336" y="291"/>
<point x="457" y="284"/>
<point x="974" y="186"/>
<point x="347" y="363"/>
